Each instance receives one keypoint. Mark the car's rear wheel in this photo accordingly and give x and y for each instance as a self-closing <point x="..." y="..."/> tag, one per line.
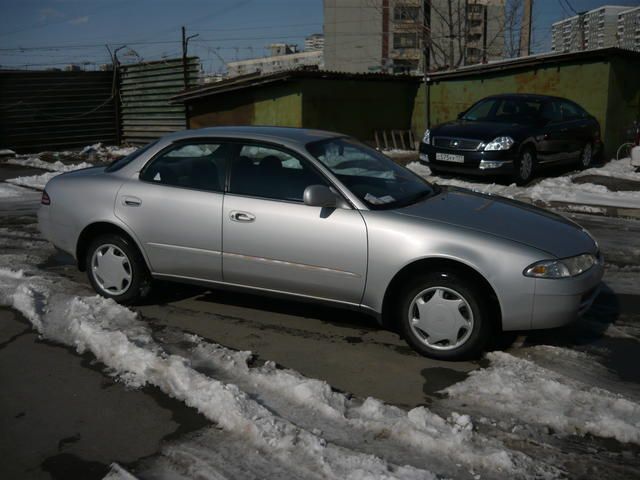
<point x="524" y="166"/>
<point x="586" y="156"/>
<point x="444" y="316"/>
<point x="116" y="269"/>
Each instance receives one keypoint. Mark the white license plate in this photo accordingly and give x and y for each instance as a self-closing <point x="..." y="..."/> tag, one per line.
<point x="449" y="157"/>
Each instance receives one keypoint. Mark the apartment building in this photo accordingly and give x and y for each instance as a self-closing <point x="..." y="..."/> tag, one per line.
<point x="283" y="57"/>
<point x="596" y="28"/>
<point x="628" y="33"/>
<point x="390" y="35"/>
<point x="314" y="42"/>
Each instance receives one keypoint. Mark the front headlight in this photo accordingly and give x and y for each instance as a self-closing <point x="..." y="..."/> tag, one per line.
<point x="427" y="137"/>
<point x="500" y="143"/>
<point x="566" y="267"/>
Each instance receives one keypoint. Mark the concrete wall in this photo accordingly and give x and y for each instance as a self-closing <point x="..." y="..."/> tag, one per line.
<point x="588" y="84"/>
<point x="358" y="108"/>
<point x="277" y="104"/>
<point x="353" y="35"/>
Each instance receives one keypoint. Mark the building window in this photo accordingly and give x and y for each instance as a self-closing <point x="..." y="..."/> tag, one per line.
<point x="475" y="8"/>
<point x="405" y="40"/>
<point x="404" y="13"/>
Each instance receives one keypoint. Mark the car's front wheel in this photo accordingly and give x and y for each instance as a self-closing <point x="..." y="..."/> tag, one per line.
<point x="444" y="316"/>
<point x="116" y="269"/>
<point x="524" y="166"/>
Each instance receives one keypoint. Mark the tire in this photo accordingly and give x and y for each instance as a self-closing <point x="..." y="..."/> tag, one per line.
<point x="586" y="157"/>
<point x="125" y="282"/>
<point x="438" y="290"/>
<point x="524" y="166"/>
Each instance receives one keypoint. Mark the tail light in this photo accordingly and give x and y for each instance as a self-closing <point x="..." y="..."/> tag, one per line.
<point x="45" y="198"/>
<point x="638" y="135"/>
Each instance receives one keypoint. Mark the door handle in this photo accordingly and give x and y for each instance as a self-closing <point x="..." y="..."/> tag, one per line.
<point x="238" y="216"/>
<point x="131" y="201"/>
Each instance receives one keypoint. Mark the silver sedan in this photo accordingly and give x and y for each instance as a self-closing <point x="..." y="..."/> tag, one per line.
<point x="318" y="216"/>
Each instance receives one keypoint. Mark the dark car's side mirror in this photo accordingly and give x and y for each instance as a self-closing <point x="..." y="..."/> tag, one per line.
<point x="321" y="196"/>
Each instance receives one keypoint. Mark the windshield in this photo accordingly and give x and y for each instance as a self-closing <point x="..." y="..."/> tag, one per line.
<point x="505" y="110"/>
<point x="375" y="179"/>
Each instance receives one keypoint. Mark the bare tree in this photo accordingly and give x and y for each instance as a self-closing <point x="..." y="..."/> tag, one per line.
<point x="447" y="30"/>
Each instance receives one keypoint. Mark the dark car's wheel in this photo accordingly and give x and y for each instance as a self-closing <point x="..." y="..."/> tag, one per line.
<point x="524" y="166"/>
<point x="444" y="316"/>
<point x="116" y="269"/>
<point x="586" y="156"/>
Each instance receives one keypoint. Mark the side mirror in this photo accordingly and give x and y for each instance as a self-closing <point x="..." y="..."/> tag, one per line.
<point x="320" y="196"/>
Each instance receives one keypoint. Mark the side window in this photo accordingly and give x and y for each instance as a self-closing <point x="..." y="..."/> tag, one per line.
<point x="190" y="165"/>
<point x="569" y="111"/>
<point x="551" y="112"/>
<point x="266" y="172"/>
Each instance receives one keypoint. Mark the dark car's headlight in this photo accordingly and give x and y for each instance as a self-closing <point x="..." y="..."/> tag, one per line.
<point x="499" y="143"/>
<point x="427" y="137"/>
<point x="563" y="268"/>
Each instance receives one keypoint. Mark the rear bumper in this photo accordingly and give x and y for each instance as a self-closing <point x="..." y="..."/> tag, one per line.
<point x="475" y="163"/>
<point x="559" y="302"/>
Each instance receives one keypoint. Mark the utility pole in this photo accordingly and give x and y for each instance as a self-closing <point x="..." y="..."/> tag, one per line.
<point x="185" y="46"/>
<point x="525" y="29"/>
<point x="426" y="51"/>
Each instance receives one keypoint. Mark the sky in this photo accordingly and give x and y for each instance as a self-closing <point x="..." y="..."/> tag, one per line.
<point x="43" y="33"/>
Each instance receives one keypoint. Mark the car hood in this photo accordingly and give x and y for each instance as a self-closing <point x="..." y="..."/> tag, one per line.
<point x="507" y="219"/>
<point x="486" y="131"/>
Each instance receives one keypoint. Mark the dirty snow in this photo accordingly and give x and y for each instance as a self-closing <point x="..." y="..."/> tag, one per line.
<point x="534" y="394"/>
<point x="12" y="191"/>
<point x="56" y="166"/>
<point x="555" y="189"/>
<point x="39" y="181"/>
<point x="293" y="426"/>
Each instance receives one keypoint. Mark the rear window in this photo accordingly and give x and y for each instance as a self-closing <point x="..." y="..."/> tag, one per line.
<point x="118" y="164"/>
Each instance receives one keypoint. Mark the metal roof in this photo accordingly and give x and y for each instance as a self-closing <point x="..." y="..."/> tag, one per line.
<point x="532" y="61"/>
<point x="257" y="79"/>
<point x="300" y="136"/>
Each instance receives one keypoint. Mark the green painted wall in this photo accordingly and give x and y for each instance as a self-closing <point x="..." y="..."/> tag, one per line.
<point x="588" y="84"/>
<point x="276" y="104"/>
<point x="358" y="107"/>
<point x="624" y="102"/>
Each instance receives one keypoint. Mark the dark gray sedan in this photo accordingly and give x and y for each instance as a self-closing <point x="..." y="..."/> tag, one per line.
<point x="318" y="216"/>
<point x="514" y="134"/>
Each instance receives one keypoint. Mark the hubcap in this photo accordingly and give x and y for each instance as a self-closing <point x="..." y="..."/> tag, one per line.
<point x="586" y="155"/>
<point x="526" y="164"/>
<point x="441" y="318"/>
<point x="111" y="269"/>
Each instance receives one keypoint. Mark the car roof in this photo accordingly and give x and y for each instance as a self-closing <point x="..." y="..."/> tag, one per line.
<point x="290" y="135"/>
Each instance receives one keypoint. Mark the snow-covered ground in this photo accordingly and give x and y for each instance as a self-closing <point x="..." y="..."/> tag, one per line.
<point x="556" y="189"/>
<point x="277" y="422"/>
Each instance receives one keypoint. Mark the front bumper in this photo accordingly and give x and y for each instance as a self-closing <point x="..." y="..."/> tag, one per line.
<point x="559" y="302"/>
<point x="475" y="162"/>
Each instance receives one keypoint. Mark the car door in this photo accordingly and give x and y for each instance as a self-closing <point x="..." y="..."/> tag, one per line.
<point x="174" y="207"/>
<point x="552" y="141"/>
<point x="273" y="241"/>
<point x="573" y="121"/>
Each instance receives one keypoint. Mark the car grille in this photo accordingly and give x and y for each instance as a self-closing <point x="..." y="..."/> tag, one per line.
<point x="456" y="143"/>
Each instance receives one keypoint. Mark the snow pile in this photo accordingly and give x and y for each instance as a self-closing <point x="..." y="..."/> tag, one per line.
<point x="110" y="151"/>
<point x="56" y="166"/>
<point x="555" y="189"/>
<point x="615" y="168"/>
<point x="537" y="395"/>
<point x="11" y="191"/>
<point x="40" y="181"/>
